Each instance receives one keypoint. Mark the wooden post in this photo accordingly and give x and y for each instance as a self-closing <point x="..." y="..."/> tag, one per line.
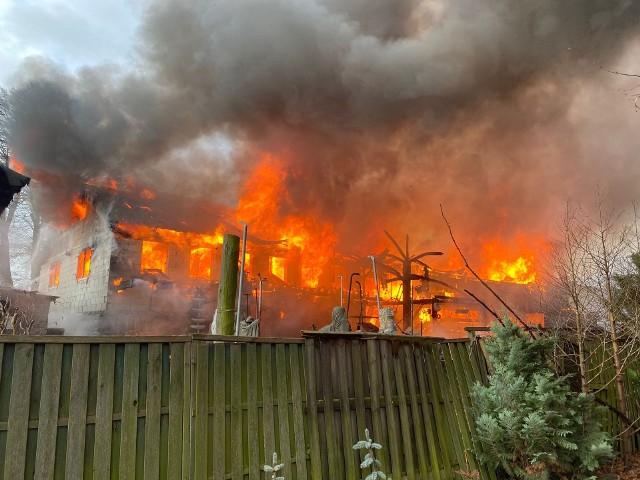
<point x="228" y="284"/>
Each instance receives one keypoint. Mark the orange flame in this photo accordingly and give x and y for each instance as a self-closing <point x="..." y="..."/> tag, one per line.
<point x="154" y="256"/>
<point x="16" y="165"/>
<point x="518" y="271"/>
<point x="424" y="314"/>
<point x="147" y="194"/>
<point x="183" y="239"/>
<point x="510" y="263"/>
<point x="277" y="267"/>
<point x="263" y="207"/>
<point x="200" y="263"/>
<point x="79" y="209"/>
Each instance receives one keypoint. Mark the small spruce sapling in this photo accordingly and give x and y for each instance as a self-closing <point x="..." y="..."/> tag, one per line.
<point x="370" y="460"/>
<point x="274" y="468"/>
<point x="528" y="422"/>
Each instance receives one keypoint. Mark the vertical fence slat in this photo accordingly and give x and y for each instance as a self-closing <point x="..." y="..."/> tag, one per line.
<point x="219" y="413"/>
<point x="409" y="367"/>
<point x="104" y="412"/>
<point x="129" y="421"/>
<point x="236" y="411"/>
<point x="445" y="380"/>
<point x="345" y="412"/>
<point x="199" y="445"/>
<point x="334" y="456"/>
<point x="267" y="404"/>
<point x="283" y="394"/>
<point x="188" y="409"/>
<point x="298" y="414"/>
<point x="441" y="425"/>
<point x="152" y="416"/>
<point x="392" y="421"/>
<point x="430" y="408"/>
<point x="399" y="370"/>
<point x="77" y="411"/>
<point x="358" y="387"/>
<point x="19" y="411"/>
<point x="312" y="408"/>
<point x="252" y="412"/>
<point x="373" y="360"/>
<point x="176" y="392"/>
<point x="48" y="414"/>
<point x="465" y="381"/>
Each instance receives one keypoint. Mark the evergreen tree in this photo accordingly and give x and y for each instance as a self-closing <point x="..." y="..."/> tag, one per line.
<point x="528" y="422"/>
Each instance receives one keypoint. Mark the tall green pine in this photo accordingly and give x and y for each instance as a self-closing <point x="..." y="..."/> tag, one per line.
<point x="529" y="423"/>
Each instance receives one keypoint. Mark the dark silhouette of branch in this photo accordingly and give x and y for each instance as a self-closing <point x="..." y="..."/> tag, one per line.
<point x="486" y="307"/>
<point x="466" y="264"/>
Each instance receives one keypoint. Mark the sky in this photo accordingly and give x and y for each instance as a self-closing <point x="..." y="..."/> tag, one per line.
<point x="71" y="33"/>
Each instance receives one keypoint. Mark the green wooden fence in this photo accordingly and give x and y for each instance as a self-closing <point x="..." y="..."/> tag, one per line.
<point x="204" y="407"/>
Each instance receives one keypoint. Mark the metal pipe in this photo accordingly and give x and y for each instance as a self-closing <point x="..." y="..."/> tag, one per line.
<point x="340" y="277"/>
<point x="375" y="278"/>
<point x="244" y="251"/>
<point x="349" y="292"/>
<point x="361" y="305"/>
<point x="260" y="297"/>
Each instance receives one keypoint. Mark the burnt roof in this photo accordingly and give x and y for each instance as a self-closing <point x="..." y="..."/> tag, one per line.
<point x="11" y="182"/>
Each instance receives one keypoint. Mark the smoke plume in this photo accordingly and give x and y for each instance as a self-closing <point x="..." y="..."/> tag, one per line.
<point x="380" y="109"/>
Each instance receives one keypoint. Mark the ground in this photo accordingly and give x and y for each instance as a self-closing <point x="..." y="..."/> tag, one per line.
<point x="617" y="470"/>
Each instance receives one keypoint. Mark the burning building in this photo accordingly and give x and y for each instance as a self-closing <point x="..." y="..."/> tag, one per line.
<point x="120" y="266"/>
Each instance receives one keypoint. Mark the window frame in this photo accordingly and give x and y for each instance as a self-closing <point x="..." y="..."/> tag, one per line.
<point x="83" y="268"/>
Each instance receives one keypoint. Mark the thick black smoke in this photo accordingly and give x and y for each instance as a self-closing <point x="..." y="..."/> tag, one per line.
<point x="382" y="109"/>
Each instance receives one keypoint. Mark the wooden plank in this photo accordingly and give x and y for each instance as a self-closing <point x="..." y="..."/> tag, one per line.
<point x="188" y="413"/>
<point x="393" y="427"/>
<point x="129" y="423"/>
<point x="463" y="384"/>
<point x="14" y="467"/>
<point x="445" y="379"/>
<point x="416" y="412"/>
<point x="298" y="411"/>
<point x="77" y="411"/>
<point x="104" y="413"/>
<point x="1" y="357"/>
<point x="201" y="410"/>
<point x="118" y="387"/>
<point x="60" y="466"/>
<point x="358" y="386"/>
<point x="235" y="351"/>
<point x="438" y="427"/>
<point x="152" y="415"/>
<point x="348" y="440"/>
<point x="374" y="365"/>
<point x="472" y="375"/>
<point x="219" y="417"/>
<point x="176" y="392"/>
<point x="406" y="427"/>
<point x="283" y="393"/>
<point x="312" y="409"/>
<point x="98" y="339"/>
<point x="268" y="424"/>
<point x="48" y="414"/>
<point x="252" y="412"/>
<point x="335" y="459"/>
<point x="235" y="339"/>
